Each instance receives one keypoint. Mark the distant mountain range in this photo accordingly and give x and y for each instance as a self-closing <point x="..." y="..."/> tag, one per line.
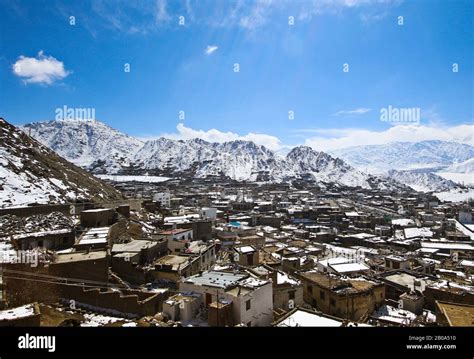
<point x="423" y="181"/>
<point x="32" y="173"/>
<point x="103" y="150"/>
<point x="400" y="156"/>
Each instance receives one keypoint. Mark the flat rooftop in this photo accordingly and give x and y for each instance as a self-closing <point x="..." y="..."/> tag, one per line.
<point x="216" y="279"/>
<point x="94" y="236"/>
<point x="172" y="260"/>
<point x="79" y="256"/>
<point x="348" y="286"/>
<point x="457" y="315"/>
<point x="407" y="280"/>
<point x="133" y="246"/>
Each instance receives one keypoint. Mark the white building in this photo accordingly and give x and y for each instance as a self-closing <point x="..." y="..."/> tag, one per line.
<point x="178" y="239"/>
<point x="251" y="298"/>
<point x="164" y="198"/>
<point x="209" y="213"/>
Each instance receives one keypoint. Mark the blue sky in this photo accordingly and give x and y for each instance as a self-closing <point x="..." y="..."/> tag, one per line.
<point x="283" y="67"/>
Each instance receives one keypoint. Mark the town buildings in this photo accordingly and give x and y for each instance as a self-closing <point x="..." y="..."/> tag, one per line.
<point x="209" y="254"/>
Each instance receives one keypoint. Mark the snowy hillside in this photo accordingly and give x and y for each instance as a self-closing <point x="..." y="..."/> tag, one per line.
<point x="83" y="142"/>
<point x="462" y="167"/>
<point x="32" y="173"/>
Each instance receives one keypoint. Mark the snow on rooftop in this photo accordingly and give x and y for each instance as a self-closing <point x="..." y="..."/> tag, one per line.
<point x="391" y="314"/>
<point x="302" y="318"/>
<point x="246" y="249"/>
<point x="403" y="222"/>
<point x="98" y="320"/>
<point x="350" y="267"/>
<point x="417" y="232"/>
<point x="283" y="278"/>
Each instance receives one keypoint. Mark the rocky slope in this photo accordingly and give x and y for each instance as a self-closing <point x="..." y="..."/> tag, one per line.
<point x="32" y="173"/>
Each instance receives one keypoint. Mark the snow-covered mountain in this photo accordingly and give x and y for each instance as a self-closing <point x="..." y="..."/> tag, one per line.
<point x="423" y="181"/>
<point x="83" y="142"/>
<point x="32" y="173"/>
<point x="304" y="162"/>
<point x="239" y="160"/>
<point x="100" y="149"/>
<point x="462" y="167"/>
<point x="405" y="155"/>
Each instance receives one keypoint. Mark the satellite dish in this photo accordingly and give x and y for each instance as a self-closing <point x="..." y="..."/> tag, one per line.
<point x="72" y="210"/>
<point x="400" y="304"/>
<point x="291" y="304"/>
<point x="236" y="257"/>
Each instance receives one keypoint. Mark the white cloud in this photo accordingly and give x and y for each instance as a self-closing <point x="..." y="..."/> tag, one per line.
<point x="40" y="70"/>
<point x="332" y="139"/>
<point x="214" y="135"/>
<point x="161" y="13"/>
<point x="378" y="9"/>
<point x="357" y="111"/>
<point x="210" y="49"/>
<point x="258" y="15"/>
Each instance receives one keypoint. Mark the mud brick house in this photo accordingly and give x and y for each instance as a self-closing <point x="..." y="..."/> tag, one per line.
<point x="99" y="217"/>
<point x="91" y="266"/>
<point x="398" y="282"/>
<point x="143" y="250"/>
<point x="53" y="239"/>
<point x="353" y="299"/>
<point x="451" y="292"/>
<point x="174" y="267"/>
<point x="24" y="284"/>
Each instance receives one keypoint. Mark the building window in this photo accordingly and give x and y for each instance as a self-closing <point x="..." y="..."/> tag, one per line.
<point x="291" y="294"/>
<point x="332" y="302"/>
<point x="247" y="305"/>
<point x="322" y="295"/>
<point x="310" y="289"/>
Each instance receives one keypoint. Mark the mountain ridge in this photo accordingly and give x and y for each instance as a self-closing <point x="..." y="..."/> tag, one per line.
<point x="109" y="151"/>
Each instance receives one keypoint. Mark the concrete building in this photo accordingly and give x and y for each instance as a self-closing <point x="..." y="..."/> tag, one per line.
<point x="250" y="298"/>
